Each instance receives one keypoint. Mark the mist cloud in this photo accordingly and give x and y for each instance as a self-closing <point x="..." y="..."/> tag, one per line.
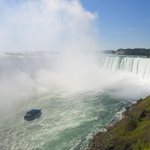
<point x="29" y="25"/>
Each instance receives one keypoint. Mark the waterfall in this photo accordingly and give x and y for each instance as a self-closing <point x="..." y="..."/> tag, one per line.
<point x="80" y="71"/>
<point x="31" y="64"/>
<point x="135" y="65"/>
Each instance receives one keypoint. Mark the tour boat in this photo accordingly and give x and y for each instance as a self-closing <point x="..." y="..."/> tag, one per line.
<point x="32" y="114"/>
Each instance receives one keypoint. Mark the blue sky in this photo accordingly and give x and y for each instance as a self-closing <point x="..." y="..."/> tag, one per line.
<point x="122" y="23"/>
<point x="29" y="25"/>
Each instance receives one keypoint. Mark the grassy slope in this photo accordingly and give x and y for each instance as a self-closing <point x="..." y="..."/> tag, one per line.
<point x="132" y="132"/>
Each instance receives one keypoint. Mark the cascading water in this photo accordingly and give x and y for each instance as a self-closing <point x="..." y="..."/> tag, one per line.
<point x="137" y="66"/>
<point x="78" y="94"/>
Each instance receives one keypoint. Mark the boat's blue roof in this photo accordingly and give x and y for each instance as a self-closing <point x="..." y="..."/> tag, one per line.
<point x="32" y="111"/>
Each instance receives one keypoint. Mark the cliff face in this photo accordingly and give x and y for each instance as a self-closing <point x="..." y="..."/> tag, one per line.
<point x="130" y="133"/>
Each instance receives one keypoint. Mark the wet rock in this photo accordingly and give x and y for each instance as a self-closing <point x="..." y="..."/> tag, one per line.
<point x="108" y="128"/>
<point x="112" y="120"/>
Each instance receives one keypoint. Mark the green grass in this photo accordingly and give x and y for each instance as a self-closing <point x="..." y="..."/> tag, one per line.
<point x="133" y="131"/>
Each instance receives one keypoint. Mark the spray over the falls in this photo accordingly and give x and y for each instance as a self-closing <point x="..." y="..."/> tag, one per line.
<point x="129" y="77"/>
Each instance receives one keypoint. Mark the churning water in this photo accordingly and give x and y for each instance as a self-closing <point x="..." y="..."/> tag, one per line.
<point x="78" y="95"/>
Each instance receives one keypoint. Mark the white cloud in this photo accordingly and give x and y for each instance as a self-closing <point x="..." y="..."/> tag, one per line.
<point x="46" y="25"/>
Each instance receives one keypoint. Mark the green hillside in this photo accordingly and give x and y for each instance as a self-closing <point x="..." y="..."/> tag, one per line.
<point x="130" y="133"/>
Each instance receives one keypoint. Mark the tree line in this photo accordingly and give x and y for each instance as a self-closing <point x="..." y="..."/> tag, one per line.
<point x="129" y="51"/>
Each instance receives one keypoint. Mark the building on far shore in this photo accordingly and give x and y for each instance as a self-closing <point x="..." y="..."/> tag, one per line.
<point x="120" y="52"/>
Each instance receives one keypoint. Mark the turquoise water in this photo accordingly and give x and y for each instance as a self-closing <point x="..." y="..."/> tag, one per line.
<point x="68" y="121"/>
<point x="78" y="96"/>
